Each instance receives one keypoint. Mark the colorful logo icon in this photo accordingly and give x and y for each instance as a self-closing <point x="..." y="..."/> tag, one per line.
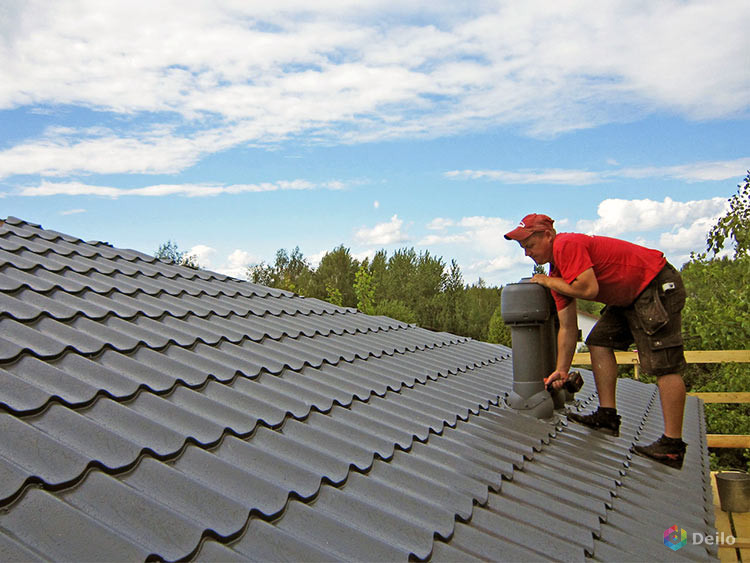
<point x="675" y="538"/>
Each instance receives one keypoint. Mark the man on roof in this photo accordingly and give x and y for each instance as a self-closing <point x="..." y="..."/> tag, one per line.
<point x="644" y="296"/>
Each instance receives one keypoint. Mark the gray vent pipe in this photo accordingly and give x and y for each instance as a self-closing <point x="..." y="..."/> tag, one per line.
<point x="527" y="308"/>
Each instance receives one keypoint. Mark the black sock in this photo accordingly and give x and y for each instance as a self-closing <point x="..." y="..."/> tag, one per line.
<point x="608" y="411"/>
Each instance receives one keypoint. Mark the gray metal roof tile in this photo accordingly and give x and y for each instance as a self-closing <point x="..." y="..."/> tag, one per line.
<point x="445" y="552"/>
<point x="331" y="534"/>
<point x="363" y="505"/>
<point x="448" y="453"/>
<point x="142" y="518"/>
<point x="298" y="451"/>
<point x="319" y="382"/>
<point x="494" y="465"/>
<point x="620" y="545"/>
<point x="19" y="396"/>
<point x="276" y="404"/>
<point x="51" y="529"/>
<point x="157" y="371"/>
<point x="39" y="456"/>
<point x="18" y="338"/>
<point x="175" y="492"/>
<point x="18" y="260"/>
<point x="47" y="381"/>
<point x="558" y="530"/>
<point x="164" y="411"/>
<point x="246" y="397"/>
<point x="160" y="440"/>
<point x="340" y="424"/>
<point x="263" y="542"/>
<point x="419" y="489"/>
<point x="73" y="282"/>
<point x="356" y="454"/>
<point x="230" y="466"/>
<point x="490" y="545"/>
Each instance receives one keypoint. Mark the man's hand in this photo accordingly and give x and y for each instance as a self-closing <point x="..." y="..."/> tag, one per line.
<point x="541" y="279"/>
<point x="556" y="380"/>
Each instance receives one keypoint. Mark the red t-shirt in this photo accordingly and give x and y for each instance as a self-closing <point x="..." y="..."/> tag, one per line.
<point x="623" y="269"/>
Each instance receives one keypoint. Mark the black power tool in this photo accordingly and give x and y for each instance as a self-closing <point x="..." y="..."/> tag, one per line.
<point x="572" y="385"/>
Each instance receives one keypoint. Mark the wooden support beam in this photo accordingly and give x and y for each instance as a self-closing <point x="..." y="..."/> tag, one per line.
<point x="717" y="356"/>
<point x="584" y="358"/>
<point x="728" y="440"/>
<point x="722" y="397"/>
<point x="691" y="357"/>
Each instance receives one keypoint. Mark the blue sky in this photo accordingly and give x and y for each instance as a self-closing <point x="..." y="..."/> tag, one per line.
<point x="238" y="128"/>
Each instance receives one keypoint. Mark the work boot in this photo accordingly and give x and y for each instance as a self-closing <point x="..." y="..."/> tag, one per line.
<point x="669" y="451"/>
<point x="606" y="420"/>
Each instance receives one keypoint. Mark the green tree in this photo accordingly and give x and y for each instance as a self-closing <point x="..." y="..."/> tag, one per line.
<point x="400" y="273"/>
<point x="333" y="295"/>
<point x="364" y="289"/>
<point x="337" y="270"/>
<point x="378" y="269"/>
<point x="170" y="252"/>
<point x="735" y="224"/>
<point x="396" y="309"/>
<point x="424" y="292"/>
<point x="450" y="314"/>
<point x="498" y="332"/>
<point x="478" y="305"/>
<point x="290" y="271"/>
<point x="717" y="317"/>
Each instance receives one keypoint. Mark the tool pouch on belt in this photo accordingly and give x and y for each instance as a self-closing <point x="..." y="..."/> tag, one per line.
<point x="650" y="310"/>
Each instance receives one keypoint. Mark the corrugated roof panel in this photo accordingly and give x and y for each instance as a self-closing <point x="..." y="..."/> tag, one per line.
<point x="178" y="413"/>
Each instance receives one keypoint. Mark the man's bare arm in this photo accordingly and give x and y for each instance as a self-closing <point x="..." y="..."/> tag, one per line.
<point x="585" y="286"/>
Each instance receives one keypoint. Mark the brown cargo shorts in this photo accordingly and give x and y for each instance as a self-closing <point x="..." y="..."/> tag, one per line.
<point x="653" y="322"/>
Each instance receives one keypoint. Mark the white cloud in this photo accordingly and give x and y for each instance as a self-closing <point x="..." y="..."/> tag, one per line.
<point x="440" y="223"/>
<point x="617" y="216"/>
<point x="72" y="211"/>
<point x="213" y="76"/>
<point x="240" y="258"/>
<point x="478" y="232"/>
<point x="237" y="263"/>
<point x="376" y="204"/>
<point x="554" y="176"/>
<point x="203" y="255"/>
<point x="368" y="254"/>
<point x="692" y="172"/>
<point x="499" y="264"/>
<point x="479" y="239"/>
<point x="382" y="233"/>
<point x="689" y="237"/>
<point x="46" y="188"/>
<point x="315" y="259"/>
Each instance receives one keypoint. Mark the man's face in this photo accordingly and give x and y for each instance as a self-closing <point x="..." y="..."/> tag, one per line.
<point x="538" y="247"/>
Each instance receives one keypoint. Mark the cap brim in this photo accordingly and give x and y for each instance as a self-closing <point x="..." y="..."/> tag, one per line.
<point x="519" y="233"/>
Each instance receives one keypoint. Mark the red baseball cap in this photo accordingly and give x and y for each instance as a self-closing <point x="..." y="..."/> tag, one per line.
<point x="529" y="225"/>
